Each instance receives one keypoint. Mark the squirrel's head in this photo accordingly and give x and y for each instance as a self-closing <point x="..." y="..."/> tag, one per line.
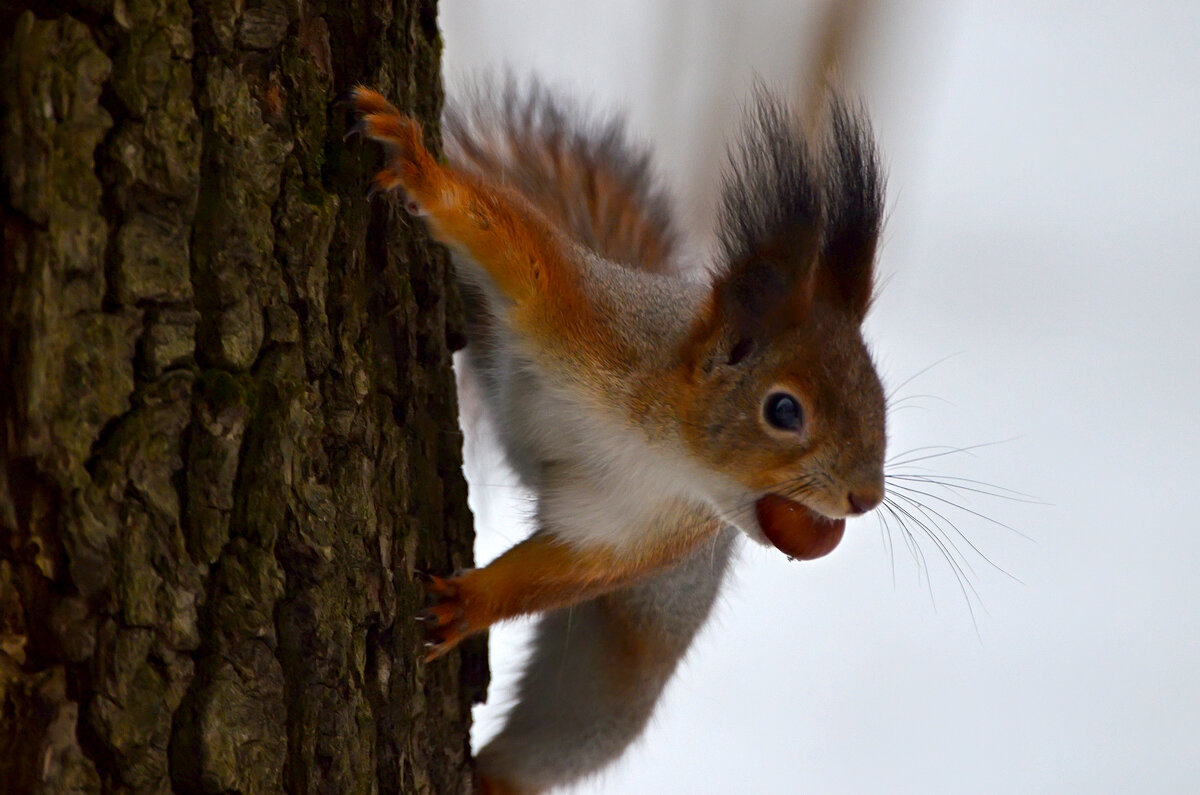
<point x="785" y="403"/>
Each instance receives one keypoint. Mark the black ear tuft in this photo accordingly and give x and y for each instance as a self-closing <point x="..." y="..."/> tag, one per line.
<point x="794" y="227"/>
<point x="770" y="221"/>
<point x="770" y="196"/>
<point x="853" y="199"/>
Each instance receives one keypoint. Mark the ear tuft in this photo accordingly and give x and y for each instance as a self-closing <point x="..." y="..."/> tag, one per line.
<point x="853" y="189"/>
<point x="770" y="196"/>
<point x="770" y="223"/>
<point x="794" y="227"/>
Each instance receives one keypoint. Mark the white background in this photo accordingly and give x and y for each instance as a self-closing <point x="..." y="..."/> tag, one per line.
<point x="1044" y="163"/>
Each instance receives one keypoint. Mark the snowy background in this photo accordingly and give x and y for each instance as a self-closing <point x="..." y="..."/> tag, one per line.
<point x="1044" y="170"/>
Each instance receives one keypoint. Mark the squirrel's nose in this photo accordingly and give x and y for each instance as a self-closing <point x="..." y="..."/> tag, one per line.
<point x="863" y="500"/>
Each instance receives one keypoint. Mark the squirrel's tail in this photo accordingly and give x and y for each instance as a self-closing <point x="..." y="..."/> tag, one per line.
<point x="595" y="674"/>
<point x="580" y="172"/>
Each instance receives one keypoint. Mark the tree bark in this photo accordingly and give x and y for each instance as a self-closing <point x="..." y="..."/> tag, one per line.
<point x="227" y="418"/>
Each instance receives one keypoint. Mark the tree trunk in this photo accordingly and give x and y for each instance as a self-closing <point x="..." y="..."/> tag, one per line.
<point x="227" y="418"/>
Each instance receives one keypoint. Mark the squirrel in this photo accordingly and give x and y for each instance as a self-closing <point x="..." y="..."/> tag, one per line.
<point x="654" y="410"/>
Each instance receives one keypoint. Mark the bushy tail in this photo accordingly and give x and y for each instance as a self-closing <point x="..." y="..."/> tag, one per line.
<point x="595" y="674"/>
<point x="582" y="173"/>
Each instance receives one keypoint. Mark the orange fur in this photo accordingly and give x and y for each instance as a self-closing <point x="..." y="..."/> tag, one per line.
<point x="496" y="228"/>
<point x="541" y="573"/>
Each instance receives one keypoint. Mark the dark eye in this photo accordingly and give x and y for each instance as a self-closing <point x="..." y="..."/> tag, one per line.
<point x="783" y="411"/>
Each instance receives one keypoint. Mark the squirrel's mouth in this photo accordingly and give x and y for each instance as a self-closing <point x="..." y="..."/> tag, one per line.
<point x="796" y="531"/>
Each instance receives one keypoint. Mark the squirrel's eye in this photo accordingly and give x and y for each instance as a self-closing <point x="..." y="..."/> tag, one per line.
<point x="783" y="411"/>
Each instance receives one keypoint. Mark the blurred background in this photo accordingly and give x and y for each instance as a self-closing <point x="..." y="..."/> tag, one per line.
<point x="1040" y="288"/>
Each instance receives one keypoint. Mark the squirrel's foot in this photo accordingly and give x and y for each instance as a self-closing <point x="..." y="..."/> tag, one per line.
<point x="452" y="617"/>
<point x="409" y="162"/>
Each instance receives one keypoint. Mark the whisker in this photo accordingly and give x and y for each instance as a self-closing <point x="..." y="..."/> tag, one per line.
<point x="961" y="507"/>
<point x="946" y="450"/>
<point x="918" y="396"/>
<point x="951" y="552"/>
<point x="910" y="541"/>
<point x="885" y="533"/>
<point x="933" y="512"/>
<point x="920" y="373"/>
<point x="898" y="405"/>
<point x="996" y="486"/>
<point x="907" y="402"/>
<point x="938" y="535"/>
<point x="991" y="489"/>
<point x="960" y="575"/>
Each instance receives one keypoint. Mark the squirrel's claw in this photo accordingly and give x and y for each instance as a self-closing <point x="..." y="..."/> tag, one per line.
<point x="443" y="630"/>
<point x="449" y="619"/>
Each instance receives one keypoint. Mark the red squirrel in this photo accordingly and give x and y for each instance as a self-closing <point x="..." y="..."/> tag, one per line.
<point x="652" y="408"/>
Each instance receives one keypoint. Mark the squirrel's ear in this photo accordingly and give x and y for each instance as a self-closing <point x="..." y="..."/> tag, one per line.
<point x="769" y="290"/>
<point x="853" y="202"/>
<point x="770" y="235"/>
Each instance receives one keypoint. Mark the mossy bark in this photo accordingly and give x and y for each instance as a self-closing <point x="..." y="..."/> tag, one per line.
<point x="227" y="419"/>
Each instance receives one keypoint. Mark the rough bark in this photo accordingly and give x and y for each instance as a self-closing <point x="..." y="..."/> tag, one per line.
<point x="227" y="420"/>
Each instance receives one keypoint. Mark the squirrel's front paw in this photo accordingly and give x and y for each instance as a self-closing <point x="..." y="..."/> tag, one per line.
<point x="452" y="617"/>
<point x="409" y="162"/>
